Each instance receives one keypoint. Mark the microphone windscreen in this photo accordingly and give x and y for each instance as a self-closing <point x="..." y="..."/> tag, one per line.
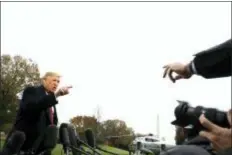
<point x="62" y="126"/>
<point x="14" y="143"/>
<point x="90" y="137"/>
<point x="64" y="135"/>
<point x="72" y="135"/>
<point x="50" y="138"/>
<point x="73" y="139"/>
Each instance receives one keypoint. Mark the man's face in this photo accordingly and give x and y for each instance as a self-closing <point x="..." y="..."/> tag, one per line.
<point x="51" y="83"/>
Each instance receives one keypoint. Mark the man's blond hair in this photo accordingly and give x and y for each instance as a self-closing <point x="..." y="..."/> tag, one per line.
<point x="47" y="74"/>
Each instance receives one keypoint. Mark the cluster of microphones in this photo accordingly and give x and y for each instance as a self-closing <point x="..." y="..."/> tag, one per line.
<point x="14" y="143"/>
<point x="66" y="135"/>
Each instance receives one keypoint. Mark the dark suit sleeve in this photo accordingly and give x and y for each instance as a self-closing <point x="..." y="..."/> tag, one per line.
<point x="215" y="62"/>
<point x="31" y="103"/>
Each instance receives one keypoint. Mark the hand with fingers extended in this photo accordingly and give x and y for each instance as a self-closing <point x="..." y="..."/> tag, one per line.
<point x="220" y="138"/>
<point x="182" y="71"/>
<point x="63" y="91"/>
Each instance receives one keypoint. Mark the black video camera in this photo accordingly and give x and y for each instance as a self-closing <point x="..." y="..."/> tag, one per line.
<point x="187" y="115"/>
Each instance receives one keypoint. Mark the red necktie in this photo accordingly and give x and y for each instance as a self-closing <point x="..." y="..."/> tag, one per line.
<point x="51" y="115"/>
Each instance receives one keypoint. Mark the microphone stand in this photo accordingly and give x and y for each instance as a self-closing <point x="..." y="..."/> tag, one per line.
<point x="106" y="151"/>
<point x="79" y="150"/>
<point x="32" y="153"/>
<point x="90" y="147"/>
<point x="67" y="151"/>
<point x="94" y="151"/>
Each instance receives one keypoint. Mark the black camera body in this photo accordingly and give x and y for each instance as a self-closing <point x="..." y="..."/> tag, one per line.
<point x="187" y="115"/>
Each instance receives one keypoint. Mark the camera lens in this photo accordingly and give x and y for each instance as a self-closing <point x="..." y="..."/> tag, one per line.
<point x="217" y="117"/>
<point x="187" y="115"/>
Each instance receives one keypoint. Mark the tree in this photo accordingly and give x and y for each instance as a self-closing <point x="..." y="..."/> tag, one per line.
<point x="114" y="131"/>
<point x="17" y="72"/>
<point x="84" y="122"/>
<point x="117" y="132"/>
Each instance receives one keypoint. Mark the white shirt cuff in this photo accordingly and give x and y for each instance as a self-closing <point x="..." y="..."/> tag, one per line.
<point x="193" y="68"/>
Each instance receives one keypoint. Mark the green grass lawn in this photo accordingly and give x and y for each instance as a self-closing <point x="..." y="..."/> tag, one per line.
<point x="115" y="150"/>
<point x="59" y="151"/>
<point x="1" y="144"/>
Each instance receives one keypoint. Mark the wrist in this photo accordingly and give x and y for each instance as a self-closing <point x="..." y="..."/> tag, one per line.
<point x="189" y="70"/>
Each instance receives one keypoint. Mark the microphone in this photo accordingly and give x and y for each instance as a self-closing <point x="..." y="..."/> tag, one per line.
<point x="80" y="142"/>
<point x="64" y="137"/>
<point x="14" y="143"/>
<point x="73" y="139"/>
<point x="50" y="137"/>
<point x="68" y="138"/>
<point x="90" y="138"/>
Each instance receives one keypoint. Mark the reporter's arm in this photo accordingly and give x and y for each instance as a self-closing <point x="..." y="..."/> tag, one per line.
<point x="31" y="103"/>
<point x="215" y="62"/>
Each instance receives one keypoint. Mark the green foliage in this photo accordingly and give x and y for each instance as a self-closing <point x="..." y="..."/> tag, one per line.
<point x="105" y="131"/>
<point x="84" y="122"/>
<point x="117" y="132"/>
<point x="16" y="73"/>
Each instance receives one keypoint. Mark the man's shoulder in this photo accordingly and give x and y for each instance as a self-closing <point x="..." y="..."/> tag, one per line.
<point x="186" y="150"/>
<point x="27" y="89"/>
<point x="31" y="89"/>
<point x="198" y="140"/>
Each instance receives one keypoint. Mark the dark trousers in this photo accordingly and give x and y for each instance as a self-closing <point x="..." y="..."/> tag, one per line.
<point x="226" y="152"/>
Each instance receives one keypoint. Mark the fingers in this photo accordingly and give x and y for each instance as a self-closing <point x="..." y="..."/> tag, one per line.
<point x="209" y="125"/>
<point x="178" y="77"/>
<point x="215" y="146"/>
<point x="168" y="71"/>
<point x="165" y="71"/>
<point x="62" y="90"/>
<point x="65" y="90"/>
<point x="69" y="87"/>
<point x="212" y="138"/>
<point x="165" y="66"/>
<point x="209" y="135"/>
